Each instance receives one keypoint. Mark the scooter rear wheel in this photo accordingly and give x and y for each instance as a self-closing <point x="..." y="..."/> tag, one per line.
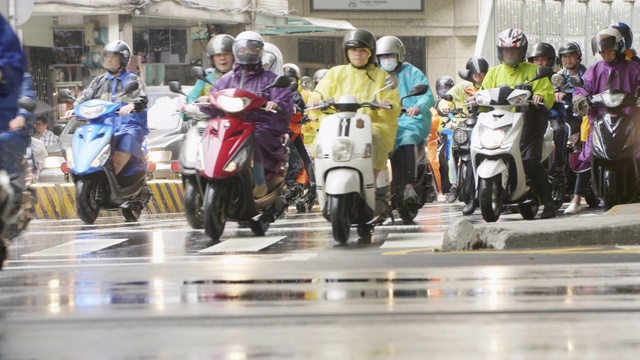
<point x="260" y="227"/>
<point x="87" y="205"/>
<point x="131" y="215"/>
<point x="215" y="211"/>
<point x="340" y="217"/>
<point x="489" y="196"/>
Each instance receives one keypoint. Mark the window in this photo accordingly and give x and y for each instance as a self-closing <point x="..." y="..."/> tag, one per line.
<point x="166" y="46"/>
<point x="316" y="51"/>
<point x="68" y="46"/>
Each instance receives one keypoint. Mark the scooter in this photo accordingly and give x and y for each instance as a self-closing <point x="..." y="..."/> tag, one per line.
<point x="216" y="163"/>
<point x="614" y="162"/>
<point x="16" y="196"/>
<point x="424" y="182"/>
<point x="574" y="145"/>
<point x="495" y="150"/>
<point x="348" y="193"/>
<point x="89" y="160"/>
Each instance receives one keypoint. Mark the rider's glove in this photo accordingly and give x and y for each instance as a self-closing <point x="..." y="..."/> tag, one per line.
<point x="580" y="105"/>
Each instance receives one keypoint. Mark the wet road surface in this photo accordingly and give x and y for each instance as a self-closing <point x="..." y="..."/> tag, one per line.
<point x="160" y="290"/>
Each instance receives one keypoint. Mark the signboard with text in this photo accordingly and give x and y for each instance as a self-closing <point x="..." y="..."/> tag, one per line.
<point x="366" y="5"/>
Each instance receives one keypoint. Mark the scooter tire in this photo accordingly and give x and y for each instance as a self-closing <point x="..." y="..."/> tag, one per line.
<point x="528" y="211"/>
<point x="215" y="212"/>
<point x="3" y="253"/>
<point x="592" y="200"/>
<point x="407" y="215"/>
<point x="489" y="197"/>
<point x="87" y="206"/>
<point x="340" y="217"/>
<point x="259" y="227"/>
<point x="131" y="215"/>
<point x="193" y="204"/>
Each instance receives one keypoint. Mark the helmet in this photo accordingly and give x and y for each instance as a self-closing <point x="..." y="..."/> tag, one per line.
<point x="570" y="47"/>
<point x="625" y="31"/>
<point x="360" y="38"/>
<point x="118" y="47"/>
<point x="444" y="84"/>
<point x="272" y="58"/>
<point x="291" y="70"/>
<point x="247" y="48"/>
<point x="318" y="75"/>
<point x="608" y="39"/>
<point x="221" y="43"/>
<point x="391" y="45"/>
<point x="477" y="64"/>
<point x="512" y="39"/>
<point x="543" y="49"/>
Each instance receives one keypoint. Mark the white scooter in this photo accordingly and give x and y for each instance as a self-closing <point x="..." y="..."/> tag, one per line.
<point x="495" y="150"/>
<point x="347" y="191"/>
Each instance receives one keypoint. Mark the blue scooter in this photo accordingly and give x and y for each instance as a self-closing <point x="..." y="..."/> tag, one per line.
<point x="90" y="162"/>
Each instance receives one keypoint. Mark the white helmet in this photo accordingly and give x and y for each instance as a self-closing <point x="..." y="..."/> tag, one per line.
<point x="247" y="48"/>
<point x="291" y="70"/>
<point x="391" y="45"/>
<point x="272" y="58"/>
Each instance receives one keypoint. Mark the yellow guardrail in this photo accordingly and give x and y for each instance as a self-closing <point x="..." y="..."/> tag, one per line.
<point x="58" y="201"/>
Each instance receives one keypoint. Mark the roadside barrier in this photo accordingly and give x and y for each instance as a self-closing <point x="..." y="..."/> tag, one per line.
<point x="58" y="201"/>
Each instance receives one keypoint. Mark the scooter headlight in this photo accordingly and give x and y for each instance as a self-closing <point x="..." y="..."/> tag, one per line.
<point x="91" y="112"/>
<point x="238" y="160"/>
<point x="610" y="99"/>
<point x="232" y="104"/>
<point x="102" y="157"/>
<point x="460" y="136"/>
<point x="491" y="138"/>
<point x="341" y="149"/>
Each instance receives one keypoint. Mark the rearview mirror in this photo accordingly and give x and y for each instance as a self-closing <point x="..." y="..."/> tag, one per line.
<point x="557" y="80"/>
<point x="198" y="73"/>
<point x="465" y="75"/>
<point x="175" y="87"/>
<point x="307" y="83"/>
<point x="27" y="103"/>
<point x="418" y="89"/>
<point x="65" y="95"/>
<point x="576" y="81"/>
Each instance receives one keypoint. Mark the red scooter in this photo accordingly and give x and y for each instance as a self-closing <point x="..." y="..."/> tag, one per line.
<point x="223" y="178"/>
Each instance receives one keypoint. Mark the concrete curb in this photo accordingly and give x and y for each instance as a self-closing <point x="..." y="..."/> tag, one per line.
<point x="57" y="201"/>
<point x="620" y="226"/>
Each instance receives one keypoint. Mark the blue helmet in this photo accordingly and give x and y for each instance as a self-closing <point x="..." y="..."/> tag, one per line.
<point x="625" y="31"/>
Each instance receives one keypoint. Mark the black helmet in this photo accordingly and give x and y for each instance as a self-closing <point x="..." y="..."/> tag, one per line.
<point x="477" y="64"/>
<point x="444" y="84"/>
<point x="360" y="38"/>
<point x="543" y="49"/>
<point x="118" y="47"/>
<point x="570" y="47"/>
<point x="219" y="44"/>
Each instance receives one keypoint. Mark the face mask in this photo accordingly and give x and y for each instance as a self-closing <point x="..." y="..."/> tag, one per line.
<point x="389" y="64"/>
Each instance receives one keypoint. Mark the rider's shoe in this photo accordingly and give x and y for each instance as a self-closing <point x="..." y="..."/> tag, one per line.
<point x="453" y="194"/>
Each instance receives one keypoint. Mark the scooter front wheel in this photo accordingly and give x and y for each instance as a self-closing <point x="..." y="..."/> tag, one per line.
<point x="340" y="217"/>
<point x="193" y="203"/>
<point x="215" y="211"/>
<point x="489" y="195"/>
<point x="87" y="205"/>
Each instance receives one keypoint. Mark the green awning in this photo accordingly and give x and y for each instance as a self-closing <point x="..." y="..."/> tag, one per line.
<point x="280" y="25"/>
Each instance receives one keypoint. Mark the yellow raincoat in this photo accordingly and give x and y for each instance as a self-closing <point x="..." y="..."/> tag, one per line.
<point x="363" y="83"/>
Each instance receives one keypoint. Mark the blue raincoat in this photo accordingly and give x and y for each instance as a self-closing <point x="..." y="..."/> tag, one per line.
<point x="413" y="130"/>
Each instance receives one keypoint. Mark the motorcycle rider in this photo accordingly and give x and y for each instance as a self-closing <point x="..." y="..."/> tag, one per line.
<point x="12" y="143"/>
<point x="297" y="138"/>
<point x="512" y="51"/>
<point x="614" y="71"/>
<point x="414" y="124"/>
<point x="463" y="93"/>
<point x="220" y="52"/>
<point x="443" y="85"/>
<point x="310" y="129"/>
<point x="248" y="74"/>
<point x="570" y="55"/>
<point x="130" y="130"/>
<point x="544" y="54"/>
<point x="362" y="78"/>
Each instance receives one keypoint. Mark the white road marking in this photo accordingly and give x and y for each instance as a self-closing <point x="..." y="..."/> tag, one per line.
<point x="77" y="247"/>
<point x="413" y="240"/>
<point x="255" y="243"/>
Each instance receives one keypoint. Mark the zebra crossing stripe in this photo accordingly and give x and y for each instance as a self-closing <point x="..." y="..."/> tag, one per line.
<point x="413" y="240"/>
<point x="247" y="244"/>
<point x="77" y="247"/>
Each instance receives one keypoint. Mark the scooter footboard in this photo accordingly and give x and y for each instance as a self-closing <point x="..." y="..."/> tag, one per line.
<point x="342" y="181"/>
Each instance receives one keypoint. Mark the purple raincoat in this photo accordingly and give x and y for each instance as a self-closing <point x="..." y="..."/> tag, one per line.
<point x="626" y="76"/>
<point x="268" y="148"/>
